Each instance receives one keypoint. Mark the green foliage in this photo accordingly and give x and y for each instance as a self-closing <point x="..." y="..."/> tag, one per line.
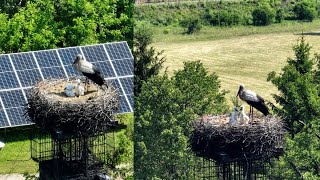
<point x="298" y="90"/>
<point x="45" y="24"/>
<point x="224" y="13"/>
<point x="235" y="101"/>
<point x="122" y="158"/>
<point x="147" y="62"/>
<point x="192" y="24"/>
<point x="298" y="85"/>
<point x="210" y="13"/>
<point x="279" y="15"/>
<point x="164" y="111"/>
<point x="263" y="15"/>
<point x="11" y="7"/>
<point x="305" y="10"/>
<point x="201" y="91"/>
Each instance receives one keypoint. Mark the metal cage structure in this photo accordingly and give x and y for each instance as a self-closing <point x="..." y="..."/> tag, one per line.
<point x="236" y="170"/>
<point x="71" y="156"/>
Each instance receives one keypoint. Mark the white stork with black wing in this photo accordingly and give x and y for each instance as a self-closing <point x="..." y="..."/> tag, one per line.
<point x="89" y="70"/>
<point x="253" y="100"/>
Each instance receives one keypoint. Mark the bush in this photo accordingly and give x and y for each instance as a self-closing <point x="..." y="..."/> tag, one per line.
<point x="263" y="15"/>
<point x="305" y="10"/>
<point x="192" y="24"/>
<point x="166" y="31"/>
<point x="279" y="16"/>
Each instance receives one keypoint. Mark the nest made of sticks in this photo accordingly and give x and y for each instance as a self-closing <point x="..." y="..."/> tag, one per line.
<point x="50" y="109"/>
<point x="215" y="139"/>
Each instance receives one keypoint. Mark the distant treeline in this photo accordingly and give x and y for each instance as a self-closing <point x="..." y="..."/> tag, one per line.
<point x="228" y="13"/>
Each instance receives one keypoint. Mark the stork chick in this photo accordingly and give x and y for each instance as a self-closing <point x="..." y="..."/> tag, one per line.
<point x="79" y="90"/>
<point x="69" y="90"/>
<point x="233" y="119"/>
<point x="244" y="119"/>
<point x="89" y="71"/>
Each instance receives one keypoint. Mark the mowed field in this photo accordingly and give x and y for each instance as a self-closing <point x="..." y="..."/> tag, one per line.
<point x="242" y="59"/>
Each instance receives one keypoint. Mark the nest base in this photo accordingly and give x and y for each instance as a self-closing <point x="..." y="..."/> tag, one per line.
<point x="231" y="143"/>
<point x="50" y="109"/>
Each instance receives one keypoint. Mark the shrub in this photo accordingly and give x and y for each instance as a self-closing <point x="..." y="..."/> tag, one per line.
<point x="263" y="15"/>
<point x="192" y="24"/>
<point x="279" y="16"/>
<point x="305" y="10"/>
<point x="166" y="31"/>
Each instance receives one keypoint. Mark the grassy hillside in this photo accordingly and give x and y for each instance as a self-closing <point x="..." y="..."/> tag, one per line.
<point x="238" y="57"/>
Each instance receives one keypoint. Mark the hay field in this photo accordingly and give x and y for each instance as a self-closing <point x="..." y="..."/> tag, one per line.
<point x="241" y="59"/>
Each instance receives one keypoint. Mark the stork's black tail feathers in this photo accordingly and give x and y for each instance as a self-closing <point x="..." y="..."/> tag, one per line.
<point x="260" y="106"/>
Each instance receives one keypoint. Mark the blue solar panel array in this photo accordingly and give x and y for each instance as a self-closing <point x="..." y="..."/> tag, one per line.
<point x="20" y="71"/>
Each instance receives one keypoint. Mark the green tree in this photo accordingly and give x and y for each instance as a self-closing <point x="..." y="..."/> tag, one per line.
<point x="298" y="89"/>
<point x="263" y="15"/>
<point x="42" y="24"/>
<point x="147" y="62"/>
<point x="11" y="7"/>
<point x="192" y="24"/>
<point x="164" y="110"/>
<point x="305" y="10"/>
<point x="298" y="86"/>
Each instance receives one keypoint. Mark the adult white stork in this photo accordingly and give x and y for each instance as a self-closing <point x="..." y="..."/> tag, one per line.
<point x="89" y="70"/>
<point x="253" y="100"/>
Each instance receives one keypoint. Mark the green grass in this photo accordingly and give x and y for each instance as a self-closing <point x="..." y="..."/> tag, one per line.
<point x="207" y="33"/>
<point x="238" y="54"/>
<point x="15" y="156"/>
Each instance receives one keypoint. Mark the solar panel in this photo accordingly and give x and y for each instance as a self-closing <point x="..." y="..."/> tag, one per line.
<point x="20" y="71"/>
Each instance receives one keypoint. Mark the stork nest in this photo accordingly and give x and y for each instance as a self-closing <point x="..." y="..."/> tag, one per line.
<point x="213" y="138"/>
<point x="50" y="109"/>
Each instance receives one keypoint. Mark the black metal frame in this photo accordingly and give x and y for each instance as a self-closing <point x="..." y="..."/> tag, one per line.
<point x="71" y="156"/>
<point x="237" y="170"/>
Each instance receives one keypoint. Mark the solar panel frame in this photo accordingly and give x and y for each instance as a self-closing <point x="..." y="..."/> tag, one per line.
<point x="39" y="67"/>
<point x="131" y="108"/>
